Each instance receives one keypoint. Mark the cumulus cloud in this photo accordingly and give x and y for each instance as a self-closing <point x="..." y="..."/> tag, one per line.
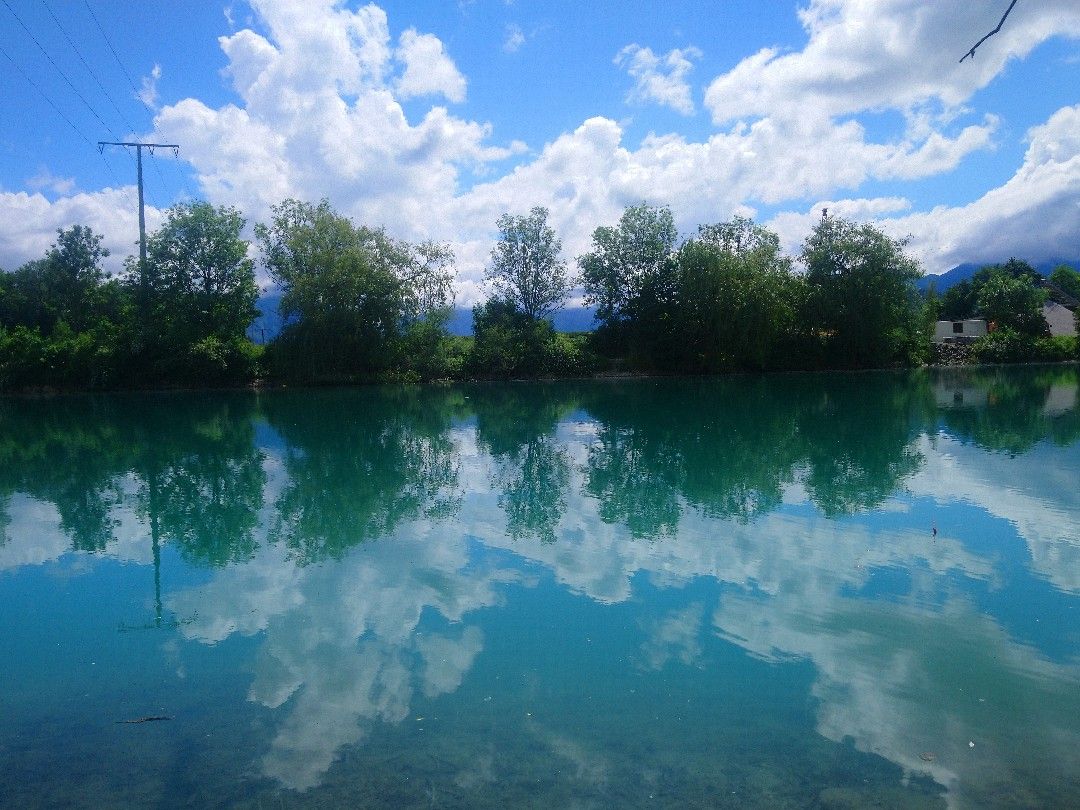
<point x="319" y="113"/>
<point x="28" y="223"/>
<point x="333" y="127"/>
<point x="428" y="70"/>
<point x="893" y="54"/>
<point x="660" y="79"/>
<point x="45" y="179"/>
<point x="1035" y="214"/>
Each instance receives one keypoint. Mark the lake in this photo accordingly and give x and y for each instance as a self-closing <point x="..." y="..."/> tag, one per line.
<point x="835" y="591"/>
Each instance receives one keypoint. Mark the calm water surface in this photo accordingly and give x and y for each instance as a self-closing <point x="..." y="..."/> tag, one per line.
<point x="670" y="593"/>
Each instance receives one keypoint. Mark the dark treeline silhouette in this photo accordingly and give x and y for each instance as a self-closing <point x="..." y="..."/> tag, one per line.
<point x="360" y="306"/>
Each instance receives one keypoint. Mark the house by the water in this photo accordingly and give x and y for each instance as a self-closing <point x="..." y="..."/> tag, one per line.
<point x="959" y="331"/>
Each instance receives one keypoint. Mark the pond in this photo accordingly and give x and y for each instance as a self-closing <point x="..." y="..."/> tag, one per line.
<point x="838" y="590"/>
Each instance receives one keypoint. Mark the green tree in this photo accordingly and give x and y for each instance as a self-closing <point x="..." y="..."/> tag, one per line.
<point x="1013" y="302"/>
<point x="198" y="263"/>
<point x="61" y="286"/>
<point x="959" y="301"/>
<point x="65" y="323"/>
<point x="348" y="293"/>
<point x="630" y="268"/>
<point x="526" y="268"/>
<point x="1067" y="279"/>
<point x="737" y="300"/>
<point x="507" y="343"/>
<point x="862" y="301"/>
<point x="199" y="295"/>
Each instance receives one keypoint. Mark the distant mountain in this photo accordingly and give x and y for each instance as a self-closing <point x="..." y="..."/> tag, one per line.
<point x="266" y="327"/>
<point x="571" y="319"/>
<point x="963" y="272"/>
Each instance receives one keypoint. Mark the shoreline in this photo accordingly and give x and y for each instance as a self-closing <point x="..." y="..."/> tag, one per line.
<point x="257" y="386"/>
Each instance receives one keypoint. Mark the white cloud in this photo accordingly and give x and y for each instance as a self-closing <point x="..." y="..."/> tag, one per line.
<point x="428" y="70"/>
<point x="319" y="114"/>
<point x="661" y="80"/>
<point x="1034" y="215"/>
<point x="148" y="93"/>
<point x="515" y="38"/>
<point x="28" y="223"/>
<point x="45" y="179"/>
<point x="881" y="55"/>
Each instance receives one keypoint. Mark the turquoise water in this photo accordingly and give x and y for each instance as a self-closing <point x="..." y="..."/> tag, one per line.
<point x="641" y="593"/>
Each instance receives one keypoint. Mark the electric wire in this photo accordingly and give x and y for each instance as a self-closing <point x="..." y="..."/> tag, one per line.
<point x="58" y="69"/>
<point x="42" y="93"/>
<point x="97" y="79"/>
<point x="116" y="56"/>
<point x="131" y="84"/>
<point x="108" y="166"/>
<point x="86" y="65"/>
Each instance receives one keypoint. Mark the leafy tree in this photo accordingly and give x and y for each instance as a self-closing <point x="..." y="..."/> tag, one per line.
<point x="507" y="343"/>
<point x="630" y="268"/>
<point x="197" y="295"/>
<point x="737" y="300"/>
<point x="1013" y="302"/>
<point x="348" y="292"/>
<point x="198" y="263"/>
<point x="959" y="301"/>
<point x="1067" y="279"/>
<point x="1013" y="268"/>
<point x="525" y="266"/>
<point x="862" y="301"/>
<point x="61" y="286"/>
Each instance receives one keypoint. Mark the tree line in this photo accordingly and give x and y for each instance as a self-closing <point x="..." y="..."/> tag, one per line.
<point x="360" y="305"/>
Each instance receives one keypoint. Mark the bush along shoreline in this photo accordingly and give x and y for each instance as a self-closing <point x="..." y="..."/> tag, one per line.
<point x="360" y="306"/>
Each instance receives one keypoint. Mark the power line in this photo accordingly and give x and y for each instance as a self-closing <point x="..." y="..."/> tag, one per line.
<point x="116" y="56"/>
<point x="57" y="67"/>
<point x="42" y="93"/>
<point x="108" y="166"/>
<point x="130" y="81"/>
<point x="121" y="188"/>
<point x="89" y="69"/>
<point x="180" y="174"/>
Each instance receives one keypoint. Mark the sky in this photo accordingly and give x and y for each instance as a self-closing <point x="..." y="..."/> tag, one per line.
<point x="432" y="119"/>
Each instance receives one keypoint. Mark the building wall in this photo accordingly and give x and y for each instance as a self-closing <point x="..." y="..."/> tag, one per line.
<point x="1060" y="319"/>
<point x="945" y="331"/>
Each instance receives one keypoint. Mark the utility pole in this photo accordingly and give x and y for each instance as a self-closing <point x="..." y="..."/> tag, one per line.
<point x="142" y="208"/>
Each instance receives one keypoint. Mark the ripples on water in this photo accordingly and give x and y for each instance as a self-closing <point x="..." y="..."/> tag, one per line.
<point x="788" y="591"/>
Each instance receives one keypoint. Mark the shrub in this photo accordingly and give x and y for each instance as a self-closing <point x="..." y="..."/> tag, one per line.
<point x="1010" y="346"/>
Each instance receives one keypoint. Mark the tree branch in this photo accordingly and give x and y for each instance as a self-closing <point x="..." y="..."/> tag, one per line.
<point x="971" y="53"/>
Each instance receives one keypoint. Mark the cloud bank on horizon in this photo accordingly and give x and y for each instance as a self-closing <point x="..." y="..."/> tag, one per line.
<point x="867" y="112"/>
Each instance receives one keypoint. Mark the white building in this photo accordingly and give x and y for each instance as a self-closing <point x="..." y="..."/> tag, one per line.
<point x="959" y="331"/>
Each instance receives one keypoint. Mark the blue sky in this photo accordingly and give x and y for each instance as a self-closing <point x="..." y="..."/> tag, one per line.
<point x="433" y="118"/>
